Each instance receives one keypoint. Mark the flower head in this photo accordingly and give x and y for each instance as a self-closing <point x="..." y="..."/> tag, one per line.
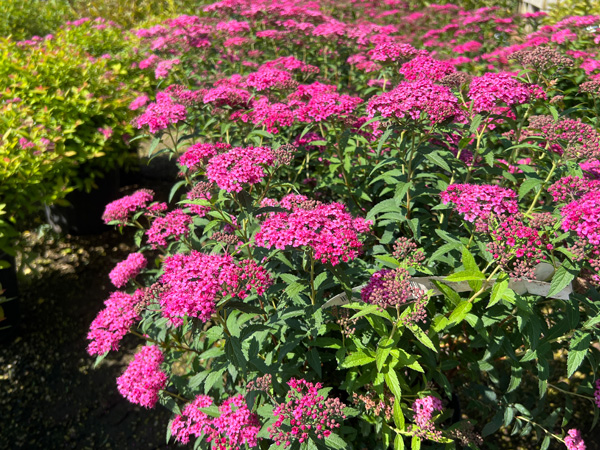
<point x="143" y="378"/>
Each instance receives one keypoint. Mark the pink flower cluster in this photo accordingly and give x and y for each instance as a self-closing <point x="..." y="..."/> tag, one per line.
<point x="583" y="217"/>
<point x="574" y="441"/>
<point x="517" y="248"/>
<point x="572" y="188"/>
<point x="270" y="78"/>
<point x="175" y="224"/>
<point x="490" y="89"/>
<point x="120" y="210"/>
<point x="423" y="409"/>
<point x="573" y="137"/>
<point x="426" y="68"/>
<point x="127" y="269"/>
<point x="197" y="155"/>
<point x="193" y="283"/>
<point x="143" y="378"/>
<point x="330" y="232"/>
<point x="162" y="113"/>
<point x="393" y="288"/>
<point x="234" y="429"/>
<point x="411" y="99"/>
<point x="112" y="323"/>
<point x="480" y="201"/>
<point x="239" y="165"/>
<point x="305" y="411"/>
<point x="391" y="51"/>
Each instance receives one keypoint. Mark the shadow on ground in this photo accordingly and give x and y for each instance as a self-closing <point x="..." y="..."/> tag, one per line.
<point x="51" y="397"/>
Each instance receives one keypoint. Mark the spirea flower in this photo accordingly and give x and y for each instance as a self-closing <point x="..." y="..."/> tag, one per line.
<point x="328" y="230"/>
<point x="195" y="282"/>
<point x="410" y="99"/>
<point x="127" y="269"/>
<point x="492" y="89"/>
<point x="162" y="113"/>
<point x="570" y="137"/>
<point x="518" y="248"/>
<point x="426" y="68"/>
<point x="480" y="201"/>
<point x="393" y="288"/>
<point x="120" y="210"/>
<point x="591" y="169"/>
<point x="200" y="191"/>
<point x="175" y="224"/>
<point x="270" y="78"/>
<point x="235" y="427"/>
<point x="392" y="51"/>
<point x="197" y="155"/>
<point x="239" y="166"/>
<point x="112" y="323"/>
<point x="143" y="378"/>
<point x="597" y="393"/>
<point x="192" y="421"/>
<point x="571" y="188"/>
<point x="583" y="217"/>
<point x="423" y="409"/>
<point x="574" y="441"/>
<point x="305" y="413"/>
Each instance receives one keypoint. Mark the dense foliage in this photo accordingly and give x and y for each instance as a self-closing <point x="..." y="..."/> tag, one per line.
<point x="385" y="233"/>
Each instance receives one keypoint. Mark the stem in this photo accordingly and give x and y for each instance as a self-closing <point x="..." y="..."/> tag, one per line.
<point x="313" y="293"/>
<point x="571" y="393"/>
<point x="177" y="396"/>
<point x="539" y="192"/>
<point x="558" y="438"/>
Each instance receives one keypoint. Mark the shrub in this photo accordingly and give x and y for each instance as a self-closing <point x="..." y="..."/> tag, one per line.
<point x="371" y="243"/>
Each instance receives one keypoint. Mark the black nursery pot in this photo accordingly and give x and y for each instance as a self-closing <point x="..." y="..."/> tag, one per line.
<point x="84" y="214"/>
<point x="10" y="309"/>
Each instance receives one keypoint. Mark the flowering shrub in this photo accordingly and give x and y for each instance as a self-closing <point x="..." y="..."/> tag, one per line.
<point x="384" y="233"/>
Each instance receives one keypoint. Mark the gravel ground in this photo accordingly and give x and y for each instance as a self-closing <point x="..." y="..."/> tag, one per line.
<point x="51" y="397"/>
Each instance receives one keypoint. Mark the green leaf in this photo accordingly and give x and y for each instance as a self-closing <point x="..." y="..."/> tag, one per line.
<point x="357" y="359"/>
<point x="466" y="275"/>
<point x="516" y="374"/>
<point x="562" y="277"/>
<point x="468" y="261"/>
<point x="528" y="185"/>
<point x="460" y="312"/>
<point x="437" y="160"/>
<point x="398" y="442"/>
<point x="494" y="425"/>
<point x="383" y="350"/>
<point x="415" y="443"/>
<point x="391" y="379"/>
<point x="334" y="441"/>
<point x="421" y="336"/>
<point x="398" y="415"/>
<point x="500" y="287"/>
<point x="578" y="348"/>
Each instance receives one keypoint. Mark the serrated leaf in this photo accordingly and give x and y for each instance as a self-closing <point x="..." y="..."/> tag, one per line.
<point x="494" y="425"/>
<point x="421" y="336"/>
<point x="334" y="441"/>
<point x="398" y="415"/>
<point x="499" y="289"/>
<point x="398" y="442"/>
<point x="383" y="350"/>
<point x="516" y="374"/>
<point x="578" y="348"/>
<point x="562" y="277"/>
<point x="357" y="359"/>
<point x="466" y="275"/>
<point x="437" y="160"/>
<point x="527" y="186"/>
<point x="391" y="379"/>
<point x="460" y="312"/>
